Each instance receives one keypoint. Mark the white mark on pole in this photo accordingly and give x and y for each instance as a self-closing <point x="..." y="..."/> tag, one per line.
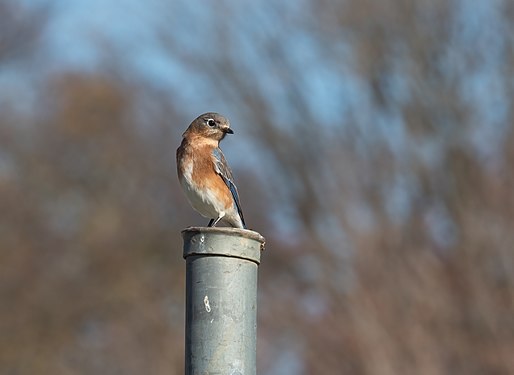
<point x="206" y="303"/>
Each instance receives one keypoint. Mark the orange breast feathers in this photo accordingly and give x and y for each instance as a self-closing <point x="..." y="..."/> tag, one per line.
<point x="204" y="175"/>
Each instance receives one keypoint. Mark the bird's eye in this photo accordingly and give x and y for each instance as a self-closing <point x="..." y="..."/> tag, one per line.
<point x="211" y="122"/>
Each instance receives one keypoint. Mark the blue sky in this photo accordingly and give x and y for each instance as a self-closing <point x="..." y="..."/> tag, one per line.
<point x="86" y="35"/>
<point x="80" y="31"/>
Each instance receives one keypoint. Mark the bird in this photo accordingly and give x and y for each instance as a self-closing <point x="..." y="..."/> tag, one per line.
<point x="204" y="174"/>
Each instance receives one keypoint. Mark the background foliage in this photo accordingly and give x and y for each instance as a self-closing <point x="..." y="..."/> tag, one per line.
<point x="374" y="148"/>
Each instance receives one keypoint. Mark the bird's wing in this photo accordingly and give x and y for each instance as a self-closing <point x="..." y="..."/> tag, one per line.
<point x="221" y="167"/>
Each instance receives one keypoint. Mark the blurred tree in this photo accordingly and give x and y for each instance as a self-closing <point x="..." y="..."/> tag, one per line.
<point x="19" y="30"/>
<point x="381" y="178"/>
<point x="399" y="261"/>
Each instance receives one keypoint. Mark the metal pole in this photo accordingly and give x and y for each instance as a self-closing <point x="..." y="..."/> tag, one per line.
<point x="221" y="300"/>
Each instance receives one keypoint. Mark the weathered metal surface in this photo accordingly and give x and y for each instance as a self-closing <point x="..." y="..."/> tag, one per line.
<point x="221" y="300"/>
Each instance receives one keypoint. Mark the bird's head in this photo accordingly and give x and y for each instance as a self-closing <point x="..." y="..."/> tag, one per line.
<point x="209" y="125"/>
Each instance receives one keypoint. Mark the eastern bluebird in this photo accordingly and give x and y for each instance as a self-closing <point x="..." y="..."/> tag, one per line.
<point x="204" y="174"/>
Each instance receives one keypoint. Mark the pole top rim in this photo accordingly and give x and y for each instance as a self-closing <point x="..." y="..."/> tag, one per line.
<point x="246" y="233"/>
<point x="205" y="241"/>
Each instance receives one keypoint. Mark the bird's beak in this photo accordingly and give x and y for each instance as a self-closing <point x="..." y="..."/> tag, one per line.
<point x="228" y="131"/>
